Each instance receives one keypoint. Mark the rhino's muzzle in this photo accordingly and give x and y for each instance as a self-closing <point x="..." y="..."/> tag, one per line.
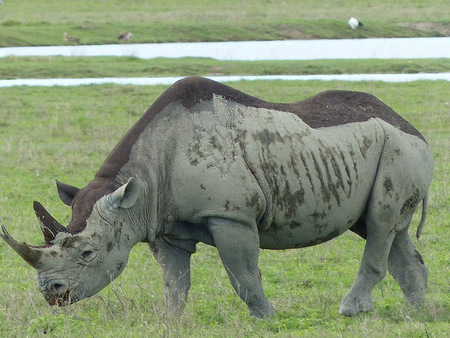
<point x="57" y="293"/>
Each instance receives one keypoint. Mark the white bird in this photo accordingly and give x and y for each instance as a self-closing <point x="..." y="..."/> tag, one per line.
<point x="354" y="23"/>
<point x="125" y="36"/>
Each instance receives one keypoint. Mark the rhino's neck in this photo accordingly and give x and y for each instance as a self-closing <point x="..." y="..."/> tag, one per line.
<point x="131" y="222"/>
<point x="142" y="218"/>
<point x="84" y="201"/>
<point x="125" y="231"/>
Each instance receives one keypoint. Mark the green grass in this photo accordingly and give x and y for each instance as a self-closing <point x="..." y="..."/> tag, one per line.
<point x="66" y="133"/>
<point x="78" y="67"/>
<point x="22" y="23"/>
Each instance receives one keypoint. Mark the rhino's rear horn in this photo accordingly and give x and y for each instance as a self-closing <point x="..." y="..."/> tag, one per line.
<point x="49" y="226"/>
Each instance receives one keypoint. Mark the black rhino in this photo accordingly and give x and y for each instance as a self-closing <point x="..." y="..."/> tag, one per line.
<point x="208" y="163"/>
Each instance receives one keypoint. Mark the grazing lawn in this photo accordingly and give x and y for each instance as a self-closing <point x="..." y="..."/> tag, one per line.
<point x="66" y="133"/>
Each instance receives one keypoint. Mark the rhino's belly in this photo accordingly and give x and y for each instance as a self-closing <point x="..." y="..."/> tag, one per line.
<point x="311" y="230"/>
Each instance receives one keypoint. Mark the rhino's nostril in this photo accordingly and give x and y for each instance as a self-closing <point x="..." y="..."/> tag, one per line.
<point x="59" y="287"/>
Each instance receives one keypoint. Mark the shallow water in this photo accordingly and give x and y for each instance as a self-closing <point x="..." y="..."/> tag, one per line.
<point x="398" y="48"/>
<point x="148" y="81"/>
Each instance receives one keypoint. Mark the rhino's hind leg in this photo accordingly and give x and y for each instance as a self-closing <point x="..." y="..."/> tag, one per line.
<point x="238" y="246"/>
<point x="407" y="267"/>
<point x="381" y="230"/>
<point x="372" y="270"/>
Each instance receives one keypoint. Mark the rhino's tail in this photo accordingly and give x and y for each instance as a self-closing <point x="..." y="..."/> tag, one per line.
<point x="424" y="215"/>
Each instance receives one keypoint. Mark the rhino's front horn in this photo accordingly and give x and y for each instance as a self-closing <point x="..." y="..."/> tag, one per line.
<point x="49" y="226"/>
<point x="32" y="255"/>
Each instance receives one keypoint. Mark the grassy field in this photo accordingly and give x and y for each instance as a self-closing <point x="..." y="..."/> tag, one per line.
<point x="79" y="67"/>
<point x="22" y="23"/>
<point x="66" y="133"/>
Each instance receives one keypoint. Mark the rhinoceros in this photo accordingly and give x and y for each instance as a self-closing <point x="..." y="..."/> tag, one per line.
<point x="208" y="163"/>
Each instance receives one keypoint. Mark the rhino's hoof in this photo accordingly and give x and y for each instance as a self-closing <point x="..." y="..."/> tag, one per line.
<point x="264" y="312"/>
<point x="348" y="311"/>
<point x="352" y="308"/>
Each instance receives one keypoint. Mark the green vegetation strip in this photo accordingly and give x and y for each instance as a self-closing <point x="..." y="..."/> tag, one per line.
<point x="66" y="133"/>
<point x="85" y="67"/>
<point x="24" y="23"/>
<point x="16" y="34"/>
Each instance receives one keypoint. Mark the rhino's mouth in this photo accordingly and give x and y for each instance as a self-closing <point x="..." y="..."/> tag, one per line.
<point x="57" y="299"/>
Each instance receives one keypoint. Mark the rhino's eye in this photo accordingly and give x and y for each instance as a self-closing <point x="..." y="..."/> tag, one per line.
<point x="88" y="255"/>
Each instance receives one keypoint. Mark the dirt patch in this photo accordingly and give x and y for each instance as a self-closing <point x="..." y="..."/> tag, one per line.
<point x="439" y="27"/>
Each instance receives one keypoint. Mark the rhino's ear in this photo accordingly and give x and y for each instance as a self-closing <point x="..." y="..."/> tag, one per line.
<point x="66" y="192"/>
<point x="127" y="194"/>
<point x="124" y="197"/>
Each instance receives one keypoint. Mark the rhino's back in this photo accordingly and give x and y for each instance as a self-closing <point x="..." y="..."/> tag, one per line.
<point x="330" y="108"/>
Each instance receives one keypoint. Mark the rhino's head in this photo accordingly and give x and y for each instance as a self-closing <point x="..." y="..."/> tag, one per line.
<point x="75" y="265"/>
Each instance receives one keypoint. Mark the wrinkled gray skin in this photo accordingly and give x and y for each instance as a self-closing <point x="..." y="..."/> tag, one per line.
<point x="210" y="164"/>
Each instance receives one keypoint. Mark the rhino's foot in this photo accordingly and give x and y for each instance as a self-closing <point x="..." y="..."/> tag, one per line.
<point x="351" y="306"/>
<point x="265" y="311"/>
<point x="416" y="299"/>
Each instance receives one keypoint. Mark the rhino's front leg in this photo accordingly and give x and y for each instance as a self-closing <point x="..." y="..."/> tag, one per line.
<point x="175" y="265"/>
<point x="238" y="246"/>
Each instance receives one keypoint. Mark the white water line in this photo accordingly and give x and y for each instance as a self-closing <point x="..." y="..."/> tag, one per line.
<point x="149" y="81"/>
<point x="394" y="48"/>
